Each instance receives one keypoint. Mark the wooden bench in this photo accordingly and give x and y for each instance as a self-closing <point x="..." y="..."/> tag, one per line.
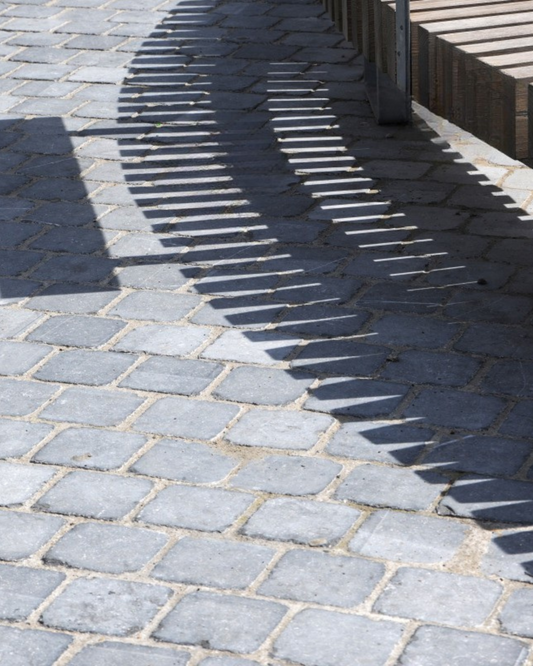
<point x="472" y="62"/>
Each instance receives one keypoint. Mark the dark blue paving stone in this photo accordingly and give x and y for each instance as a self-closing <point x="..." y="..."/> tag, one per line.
<point x="14" y="291"/>
<point x="322" y="320"/>
<point x="79" y="241"/>
<point x="511" y="377"/>
<point x="340" y="357"/>
<point x="73" y="268"/>
<point x="63" y="213"/>
<point x="15" y="262"/>
<point x="12" y="234"/>
<point x="316" y="289"/>
<point x="519" y="423"/>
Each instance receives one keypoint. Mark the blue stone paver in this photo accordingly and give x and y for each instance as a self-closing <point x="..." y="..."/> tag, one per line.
<point x="266" y="367"/>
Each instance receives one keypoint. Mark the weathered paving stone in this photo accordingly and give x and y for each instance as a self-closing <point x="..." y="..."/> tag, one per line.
<point x="322" y="320"/>
<point x="16" y="358"/>
<point x="19" y="482"/>
<point x="238" y="312"/>
<point x="494" y="456"/>
<point x="76" y="331"/>
<point x="19" y="437"/>
<point x="164" y="340"/>
<point x="403" y="537"/>
<point x="263" y="386"/>
<point x="439" y="646"/>
<point x="340" y="357"/>
<point x="509" y="555"/>
<point x="497" y="340"/>
<point x="266" y="347"/>
<point x="21" y="534"/>
<point x="221" y="622"/>
<point x="172" y="375"/>
<point x="85" y="367"/>
<point x="123" y="607"/>
<point x="322" y="578"/>
<point x="487" y="498"/>
<point x="206" y="509"/>
<point x="510" y="377"/>
<point x="14" y="322"/>
<point x="181" y="417"/>
<point x="279" y="430"/>
<point x="23" y="589"/>
<point x="287" y="475"/>
<point x="400" y="298"/>
<point x="302" y="521"/>
<point x="155" y="306"/>
<point x="459" y="409"/>
<point x="515" y="617"/>
<point x="77" y="299"/>
<point x="356" y="397"/>
<point x="91" y="406"/>
<point x="392" y="486"/>
<point x="24" y="646"/>
<point x="20" y="398"/>
<point x="519" y="423"/>
<point x="379" y="441"/>
<point x="325" y="290"/>
<point x="120" y="654"/>
<point x="227" y="661"/>
<point x="106" y="548"/>
<point x="213" y="563"/>
<point x="469" y="307"/>
<point x="460" y="601"/>
<point x="185" y="461"/>
<point x="94" y="495"/>
<point x="90" y="448"/>
<point x="419" y="367"/>
<point x="321" y="638"/>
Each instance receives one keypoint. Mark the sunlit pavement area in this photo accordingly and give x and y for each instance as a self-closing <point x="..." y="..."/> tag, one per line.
<point x="267" y="367"/>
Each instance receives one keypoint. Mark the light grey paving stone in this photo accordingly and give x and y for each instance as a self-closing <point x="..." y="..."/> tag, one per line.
<point x="287" y="475"/>
<point x="182" y="417"/>
<point x="23" y="589"/>
<point x="18" y="437"/>
<point x="392" y="487"/>
<point x="455" y="409"/>
<point x="14" y="322"/>
<point x="213" y="563"/>
<point x="379" y="441"/>
<point x="486" y="498"/>
<point x="75" y="299"/>
<point x="155" y="306"/>
<point x="139" y="245"/>
<point x="321" y="578"/>
<point x="434" y="596"/>
<point x="221" y="622"/>
<point x="302" y="521"/>
<point x="238" y="312"/>
<point x="519" y="423"/>
<point x="124" y="654"/>
<point x="515" y="617"/>
<point x="173" y="375"/>
<point x="185" y="461"/>
<point x="92" y="406"/>
<point x="106" y="548"/>
<point x="343" y="357"/>
<point x="227" y="661"/>
<point x="16" y="358"/>
<point x="317" y="637"/>
<point x="421" y="367"/>
<point x="19" y="398"/>
<point x="94" y="495"/>
<point x="20" y="647"/>
<point x="121" y="608"/>
<point x="206" y="509"/>
<point x="267" y="348"/>
<point x="76" y="331"/>
<point x="263" y="386"/>
<point x="90" y="448"/>
<point x="21" y="534"/>
<point x="275" y="429"/>
<point x="165" y="276"/>
<point x="164" y="340"/>
<point x="439" y="646"/>
<point x="322" y="320"/>
<point x="494" y="456"/>
<point x="19" y="482"/>
<point x="403" y="537"/>
<point x="85" y="367"/>
<point x="356" y="397"/>
<point x="405" y="330"/>
<point x="509" y="555"/>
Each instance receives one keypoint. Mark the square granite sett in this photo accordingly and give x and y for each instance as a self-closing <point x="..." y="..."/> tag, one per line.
<point x="18" y="482"/>
<point x="221" y="622"/>
<point x="22" y="534"/>
<point x="20" y="397"/>
<point x="43" y="648"/>
<point x="85" y="367"/>
<point x="155" y="306"/>
<point x="267" y="348"/>
<point x="76" y="331"/>
<point x="163" y="340"/>
<point x="173" y="375"/>
<point x="22" y="590"/>
<point x="106" y="548"/>
<point x="105" y="606"/>
<point x="16" y="358"/>
<point x="94" y="495"/>
<point x="263" y="386"/>
<point x="323" y="579"/>
<point x="19" y="437"/>
<point x="213" y="563"/>
<point x="206" y="509"/>
<point x="509" y="555"/>
<point x="120" y="654"/>
<point x="515" y="617"/>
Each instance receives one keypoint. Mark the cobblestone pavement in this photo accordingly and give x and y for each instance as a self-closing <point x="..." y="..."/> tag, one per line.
<point x="267" y="368"/>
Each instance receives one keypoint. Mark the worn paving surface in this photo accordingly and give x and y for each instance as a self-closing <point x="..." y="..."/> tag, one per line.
<point x="267" y="368"/>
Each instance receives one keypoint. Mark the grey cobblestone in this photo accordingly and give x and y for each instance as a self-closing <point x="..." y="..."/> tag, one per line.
<point x="515" y="618"/>
<point x="22" y="646"/>
<point x="519" y="423"/>
<point x="223" y="564"/>
<point x="24" y="589"/>
<point x="106" y="548"/>
<point x="253" y="346"/>
<point x="121" y="654"/>
<point x="123" y="607"/>
<point x="19" y="482"/>
<point x="85" y="367"/>
<point x="18" y="437"/>
<point x="164" y="340"/>
<point x="155" y="306"/>
<point x="508" y="555"/>
<point x="221" y="622"/>
<point x="75" y="331"/>
<point x="21" y="534"/>
<point x="263" y="386"/>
